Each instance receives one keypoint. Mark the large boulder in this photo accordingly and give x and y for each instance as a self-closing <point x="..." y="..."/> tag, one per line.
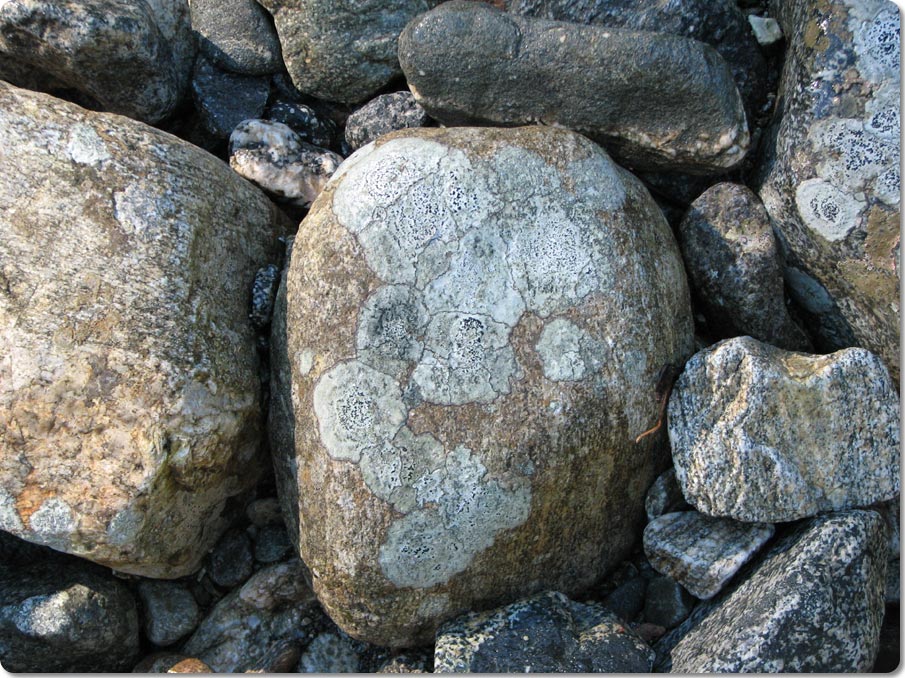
<point x="760" y="434"/>
<point x="655" y="101"/>
<point x="830" y="180"/>
<point x="130" y="409"/>
<point x="468" y="341"/>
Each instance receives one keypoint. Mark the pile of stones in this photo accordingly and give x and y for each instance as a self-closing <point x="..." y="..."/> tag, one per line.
<point x="413" y="336"/>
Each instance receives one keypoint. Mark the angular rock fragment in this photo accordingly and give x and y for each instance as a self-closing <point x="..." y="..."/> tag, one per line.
<point x="547" y="633"/>
<point x="735" y="269"/>
<point x="382" y="115"/>
<point x="701" y="552"/>
<point x="275" y="158"/>
<point x="812" y="603"/>
<point x="666" y="602"/>
<point x="237" y="35"/>
<point x="468" y="341"/>
<point x="760" y="434"/>
<point x="830" y="180"/>
<point x="655" y="101"/>
<point x="129" y="396"/>
<point x="225" y="99"/>
<point x="664" y="496"/>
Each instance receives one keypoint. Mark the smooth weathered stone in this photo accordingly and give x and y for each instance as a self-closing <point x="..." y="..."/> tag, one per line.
<point x="387" y="113"/>
<point x="700" y="552"/>
<point x="331" y="652"/>
<point x="812" y="603"/>
<point x="664" y="496"/>
<point x="112" y="51"/>
<point x="231" y="560"/>
<point x="272" y="608"/>
<point x="129" y="396"/>
<point x="760" y="434"/>
<point x="264" y="511"/>
<point x="59" y="614"/>
<point x="225" y="99"/>
<point x="313" y="127"/>
<point x="237" y="36"/>
<point x="275" y="158"/>
<point x="342" y="50"/>
<point x="734" y="267"/>
<point x="655" y="101"/>
<point x="547" y="633"/>
<point x="666" y="603"/>
<point x="830" y="180"/>
<point x="170" y="611"/>
<point x="627" y="600"/>
<point x="472" y="328"/>
<point x="271" y="543"/>
<point x="158" y="662"/>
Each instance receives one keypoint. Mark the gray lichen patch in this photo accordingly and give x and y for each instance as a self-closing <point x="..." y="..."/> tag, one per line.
<point x="86" y="146"/>
<point x="827" y="210"/>
<point x="391" y="327"/>
<point x="567" y="352"/>
<point x="875" y="28"/>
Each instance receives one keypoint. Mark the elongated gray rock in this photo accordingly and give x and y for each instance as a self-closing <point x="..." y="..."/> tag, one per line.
<point x="237" y="35"/>
<point x="812" y="603"/>
<point x="112" y="51"/>
<point x="547" y="633"/>
<point x="467" y="344"/>
<point x="130" y="409"/>
<point x="760" y="434"/>
<point x="655" y="101"/>
<point x="830" y="180"/>
<point x="701" y="552"/>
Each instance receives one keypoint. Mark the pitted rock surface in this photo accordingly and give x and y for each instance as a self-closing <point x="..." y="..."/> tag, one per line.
<point x="129" y="395"/>
<point x="764" y="435"/>
<point x="701" y="552"/>
<point x="812" y="603"/>
<point x="831" y="181"/>
<point x="468" y="342"/>
<point x="655" y="101"/>
<point x="547" y="633"/>
<point x="237" y="35"/>
<point x="382" y="115"/>
<point x="224" y="99"/>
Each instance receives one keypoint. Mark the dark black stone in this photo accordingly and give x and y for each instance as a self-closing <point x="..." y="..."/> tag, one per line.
<point x="224" y="99"/>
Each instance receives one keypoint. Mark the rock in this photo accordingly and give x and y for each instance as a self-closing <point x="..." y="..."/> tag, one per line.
<point x="111" y="51"/>
<point x="830" y="179"/>
<point x="664" y="496"/>
<point x="655" y="101"/>
<point x="272" y="608"/>
<point x="734" y="267"/>
<point x="272" y="543"/>
<point x="889" y="654"/>
<point x="225" y="99"/>
<point x="275" y="158"/>
<point x="58" y="614"/>
<point x="384" y="114"/>
<point x="719" y="23"/>
<point x="170" y="611"/>
<point x="158" y="662"/>
<point x="237" y="36"/>
<point x="311" y="127"/>
<point x="263" y="295"/>
<point x="469" y="388"/>
<point x="547" y="633"/>
<point x="281" y="658"/>
<point x="627" y="600"/>
<point x="190" y="665"/>
<point x="263" y="512"/>
<point x="342" y="50"/>
<point x="414" y="661"/>
<point x="760" y="434"/>
<point x="700" y="552"/>
<point x="174" y="19"/>
<point x="132" y="413"/>
<point x="766" y="29"/>
<point x="812" y="603"/>
<point x="666" y="604"/>
<point x="331" y="652"/>
<point x="231" y="561"/>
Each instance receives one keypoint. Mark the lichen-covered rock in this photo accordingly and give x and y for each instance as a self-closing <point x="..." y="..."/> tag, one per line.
<point x="734" y="267"/>
<point x="274" y="157"/>
<point x="831" y="181"/>
<point x="60" y="614"/>
<point x="655" y="101"/>
<point x="342" y="50"/>
<point x="111" y="51"/>
<point x="169" y="611"/>
<point x="331" y="652"/>
<point x="468" y="343"/>
<point x="701" y="552"/>
<point x="812" y="603"/>
<point x="760" y="434"/>
<point x="382" y="115"/>
<point x="237" y="35"/>
<point x="547" y="633"/>
<point x="129" y="396"/>
<point x="225" y="99"/>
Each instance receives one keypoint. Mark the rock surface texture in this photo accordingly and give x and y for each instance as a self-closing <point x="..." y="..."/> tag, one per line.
<point x="547" y="633"/>
<point x="225" y="99"/>
<point x="831" y="177"/>
<point x="170" y="611"/>
<point x="655" y="101"/>
<point x="382" y="115"/>
<point x="237" y="35"/>
<point x="111" y="51"/>
<point x="129" y="396"/>
<point x="467" y="343"/>
<point x="735" y="269"/>
<point x="764" y="435"/>
<point x="342" y="50"/>
<point x="813" y="603"/>
<point x="701" y="552"/>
